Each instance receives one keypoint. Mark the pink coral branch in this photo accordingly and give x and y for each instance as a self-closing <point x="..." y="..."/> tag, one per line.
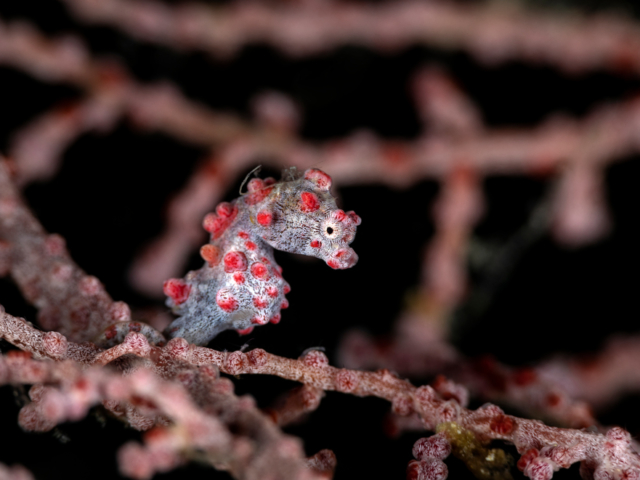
<point x="111" y="92"/>
<point x="443" y="107"/>
<point x="295" y="404"/>
<point x="492" y="33"/>
<point x="607" y="134"/>
<point x="598" y="379"/>
<point x="38" y="148"/>
<point x="547" y="448"/>
<point x="15" y="472"/>
<point x="68" y="300"/>
<point x="397" y="164"/>
<point x="324" y="462"/>
<point x="530" y="390"/>
<point x="191" y="405"/>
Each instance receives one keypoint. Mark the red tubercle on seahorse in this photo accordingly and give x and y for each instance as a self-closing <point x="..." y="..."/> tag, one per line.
<point x="259" y="270"/>
<point x="255" y="184"/>
<point x="258" y="196"/>
<point x="260" y="302"/>
<point x="340" y="215"/>
<point x="310" y="202"/>
<point x="354" y="217"/>
<point x="333" y="264"/>
<point x="176" y="289"/>
<point x="239" y="278"/>
<point x="319" y="178"/>
<point x="264" y="218"/>
<point x="235" y="261"/>
<point x="259" y="320"/>
<point x="217" y="223"/>
<point x="211" y="254"/>
<point x="225" y="209"/>
<point x="226" y="301"/>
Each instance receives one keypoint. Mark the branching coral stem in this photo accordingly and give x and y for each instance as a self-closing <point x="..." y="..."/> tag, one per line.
<point x="555" y="447"/>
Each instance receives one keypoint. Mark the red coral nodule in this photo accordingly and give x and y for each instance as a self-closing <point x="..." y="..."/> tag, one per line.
<point x="502" y="424"/>
<point x="526" y="458"/>
<point x="346" y="381"/>
<point x="435" y="446"/>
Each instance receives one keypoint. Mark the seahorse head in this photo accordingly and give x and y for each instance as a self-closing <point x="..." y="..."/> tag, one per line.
<point x="301" y="216"/>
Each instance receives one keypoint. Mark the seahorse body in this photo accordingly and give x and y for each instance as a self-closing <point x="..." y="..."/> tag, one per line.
<point x="240" y="285"/>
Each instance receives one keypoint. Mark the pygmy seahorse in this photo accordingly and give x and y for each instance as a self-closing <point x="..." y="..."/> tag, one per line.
<point x="240" y="285"/>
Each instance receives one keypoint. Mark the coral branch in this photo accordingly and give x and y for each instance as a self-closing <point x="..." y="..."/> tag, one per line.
<point x="555" y="447"/>
<point x="493" y="33"/>
<point x="16" y="472"/>
<point x="68" y="300"/>
<point x="605" y="135"/>
<point x="324" y="462"/>
<point x="192" y="405"/>
<point x="295" y="404"/>
<point x="37" y="149"/>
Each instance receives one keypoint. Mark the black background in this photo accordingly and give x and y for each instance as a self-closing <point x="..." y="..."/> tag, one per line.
<point x="109" y="197"/>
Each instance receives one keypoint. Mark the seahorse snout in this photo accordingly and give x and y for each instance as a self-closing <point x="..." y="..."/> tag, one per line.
<point x="343" y="258"/>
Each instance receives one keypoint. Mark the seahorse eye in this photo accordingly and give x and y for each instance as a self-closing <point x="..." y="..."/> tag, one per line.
<point x="329" y="230"/>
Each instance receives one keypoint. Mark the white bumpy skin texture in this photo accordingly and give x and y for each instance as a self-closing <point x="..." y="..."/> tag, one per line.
<point x="240" y="285"/>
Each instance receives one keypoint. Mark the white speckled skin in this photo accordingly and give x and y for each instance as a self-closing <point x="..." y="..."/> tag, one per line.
<point x="240" y="285"/>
